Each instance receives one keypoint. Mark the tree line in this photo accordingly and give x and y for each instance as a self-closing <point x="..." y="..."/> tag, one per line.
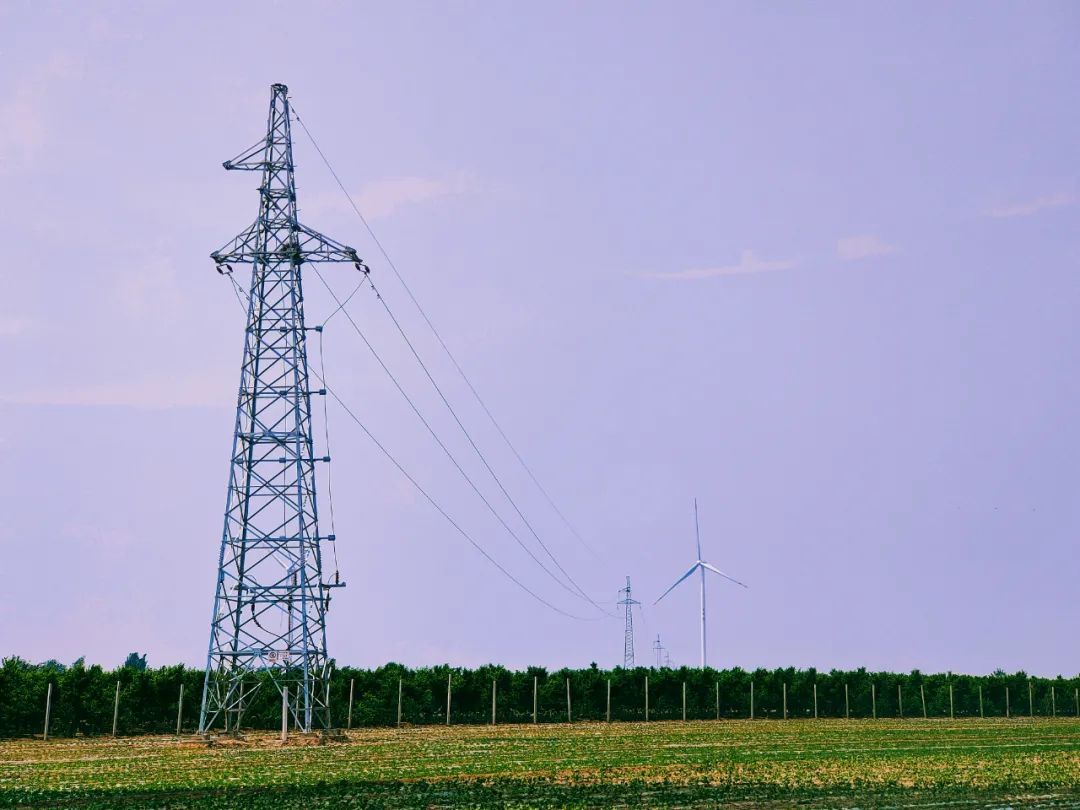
<point x="83" y="696"/>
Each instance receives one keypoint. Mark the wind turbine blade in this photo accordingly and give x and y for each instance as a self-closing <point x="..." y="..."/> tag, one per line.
<point x="693" y="568"/>
<point x="697" y="530"/>
<point x="721" y="573"/>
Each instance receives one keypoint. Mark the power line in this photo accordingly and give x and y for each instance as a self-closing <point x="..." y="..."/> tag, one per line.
<point x="439" y="441"/>
<point x="439" y="338"/>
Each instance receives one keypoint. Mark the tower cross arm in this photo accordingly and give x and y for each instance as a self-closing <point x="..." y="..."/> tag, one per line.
<point x="302" y="245"/>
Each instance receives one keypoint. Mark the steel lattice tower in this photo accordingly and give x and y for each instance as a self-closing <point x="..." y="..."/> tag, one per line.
<point x="271" y="599"/>
<point x="628" y="637"/>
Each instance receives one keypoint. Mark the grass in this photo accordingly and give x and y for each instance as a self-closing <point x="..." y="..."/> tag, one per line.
<point x="827" y="763"/>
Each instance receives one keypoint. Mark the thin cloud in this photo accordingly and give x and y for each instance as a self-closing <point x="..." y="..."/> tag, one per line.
<point x="850" y="248"/>
<point x="386" y="197"/>
<point x="749" y="262"/>
<point x="1026" y="209"/>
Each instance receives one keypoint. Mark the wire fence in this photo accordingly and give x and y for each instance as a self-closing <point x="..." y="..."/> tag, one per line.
<point x="84" y="700"/>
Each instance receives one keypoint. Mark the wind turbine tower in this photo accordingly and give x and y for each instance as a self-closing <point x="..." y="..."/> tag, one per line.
<point x="701" y="566"/>
<point x="628" y="638"/>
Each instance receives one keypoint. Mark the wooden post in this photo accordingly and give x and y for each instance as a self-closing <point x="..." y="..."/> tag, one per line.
<point x="980" y="702"/>
<point x="449" y="678"/>
<point x="718" y="700"/>
<point x="116" y="708"/>
<point x="922" y="697"/>
<point x="751" y="700"/>
<point x="785" y="699"/>
<point x="873" y="699"/>
<point x="684" y="701"/>
<point x="569" y="717"/>
<point x="492" y="701"/>
<point x="1076" y="697"/>
<point x="48" y="710"/>
<point x="900" y="699"/>
<point x="951" y="715"/>
<point x="1007" y="707"/>
<point x="399" y="689"/>
<point x="1031" y="701"/>
<point x="352" y="689"/>
<point x="534" y="699"/>
<point x="646" y="698"/>
<point x="815" y="700"/>
<point x="180" y="710"/>
<point x="608" y="700"/>
<point x="847" y="703"/>
<point x="284" y="714"/>
<point x="1053" y="703"/>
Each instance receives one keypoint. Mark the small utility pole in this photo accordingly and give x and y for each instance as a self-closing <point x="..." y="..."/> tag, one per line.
<point x="48" y="710"/>
<point x="922" y="696"/>
<point x="873" y="699"/>
<point x="116" y="708"/>
<point x="785" y="699"/>
<point x="1007" y="707"/>
<point x="646" y="698"/>
<point x="815" y="700"/>
<point x="569" y="718"/>
<point x="900" y="699"/>
<point x="718" y="700"/>
<point x="284" y="714"/>
<point x="1031" y="701"/>
<point x="1053" y="703"/>
<point x="980" y="702"/>
<point x="751" y="700"/>
<point x="847" y="703"/>
<point x="180" y="710"/>
<point x="951" y="715"/>
<point x="449" y="678"/>
<point x="352" y="685"/>
<point x="1076" y="698"/>
<point x="608" y="714"/>
<point x="399" y="689"/>
<point x="492" y="701"/>
<point x="684" y="701"/>
<point x="534" y="699"/>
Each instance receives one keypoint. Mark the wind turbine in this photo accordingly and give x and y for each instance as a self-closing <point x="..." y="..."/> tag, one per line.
<point x="701" y="566"/>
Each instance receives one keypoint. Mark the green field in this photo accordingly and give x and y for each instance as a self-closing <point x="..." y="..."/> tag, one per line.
<point x="827" y="763"/>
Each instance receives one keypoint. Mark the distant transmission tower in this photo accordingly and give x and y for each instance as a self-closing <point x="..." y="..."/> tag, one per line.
<point x="271" y="601"/>
<point x="628" y="638"/>
<point x="658" y="648"/>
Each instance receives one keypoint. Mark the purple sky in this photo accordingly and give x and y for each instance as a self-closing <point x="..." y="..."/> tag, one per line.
<point x="815" y="264"/>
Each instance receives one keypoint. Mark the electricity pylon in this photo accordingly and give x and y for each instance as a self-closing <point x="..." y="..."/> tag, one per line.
<point x="628" y="637"/>
<point x="271" y="600"/>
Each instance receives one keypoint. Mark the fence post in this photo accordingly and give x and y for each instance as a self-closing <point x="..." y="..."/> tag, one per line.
<point x="449" y="677"/>
<point x="399" y="688"/>
<point x="922" y="696"/>
<point x="900" y="699"/>
<point x="492" y="701"/>
<point x="569" y="717"/>
<point x="1007" y="707"/>
<point x="534" y="699"/>
<point x="646" y="698"/>
<point x="1031" y="701"/>
<point x="284" y="713"/>
<point x="180" y="710"/>
<point x="785" y="700"/>
<point x="352" y="685"/>
<point x="980" y="701"/>
<point x="116" y="708"/>
<point x="873" y="699"/>
<point x="684" y="701"/>
<point x="718" y="700"/>
<point x="847" y="703"/>
<point x="815" y="700"/>
<point x="609" y="700"/>
<point x="951" y="715"/>
<point x="1076" y="697"/>
<point x="48" y="710"/>
<point x="751" y="700"/>
<point x="1053" y="703"/>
